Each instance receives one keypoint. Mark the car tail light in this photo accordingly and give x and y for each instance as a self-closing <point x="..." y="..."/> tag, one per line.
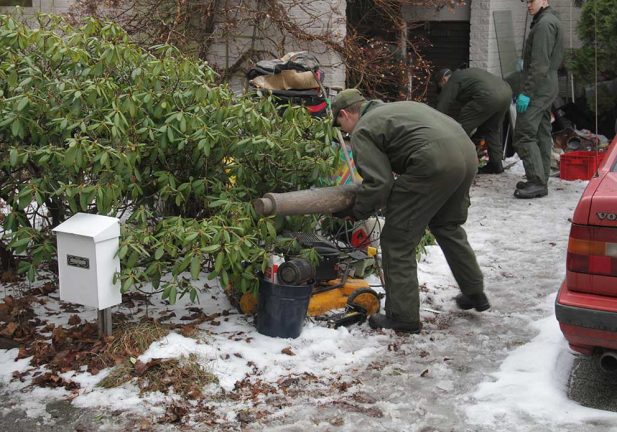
<point x="592" y="250"/>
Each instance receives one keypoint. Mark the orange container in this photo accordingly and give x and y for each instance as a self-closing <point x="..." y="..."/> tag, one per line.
<point x="579" y="165"/>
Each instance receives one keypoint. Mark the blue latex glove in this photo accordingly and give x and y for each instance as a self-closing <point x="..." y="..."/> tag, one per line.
<point x="522" y="102"/>
<point x="519" y="65"/>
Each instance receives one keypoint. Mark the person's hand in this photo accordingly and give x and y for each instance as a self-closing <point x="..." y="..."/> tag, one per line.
<point x="519" y="65"/>
<point x="346" y="214"/>
<point x="522" y="103"/>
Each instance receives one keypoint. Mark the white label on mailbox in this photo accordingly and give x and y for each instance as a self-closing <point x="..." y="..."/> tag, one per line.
<point x="77" y="261"/>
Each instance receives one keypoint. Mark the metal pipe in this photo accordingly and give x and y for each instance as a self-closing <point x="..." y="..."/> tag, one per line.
<point x="311" y="201"/>
<point x="608" y="361"/>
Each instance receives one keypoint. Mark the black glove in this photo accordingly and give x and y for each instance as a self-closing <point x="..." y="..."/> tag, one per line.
<point x="346" y="214"/>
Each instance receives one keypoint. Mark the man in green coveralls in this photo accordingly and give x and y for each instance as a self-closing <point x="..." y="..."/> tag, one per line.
<point x="484" y="100"/>
<point x="417" y="164"/>
<point x="532" y="134"/>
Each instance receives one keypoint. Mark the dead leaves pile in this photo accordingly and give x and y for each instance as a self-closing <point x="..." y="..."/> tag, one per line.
<point x="54" y="349"/>
<point x="185" y="376"/>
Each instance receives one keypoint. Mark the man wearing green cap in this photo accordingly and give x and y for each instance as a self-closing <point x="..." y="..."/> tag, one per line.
<point x="484" y="100"/>
<point x="417" y="165"/>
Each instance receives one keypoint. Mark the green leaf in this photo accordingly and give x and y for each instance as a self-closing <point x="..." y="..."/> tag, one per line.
<point x="211" y="248"/>
<point x="218" y="264"/>
<point x="183" y="265"/>
<point x="23" y="102"/>
<point x="132" y="260"/>
<point x="31" y="274"/>
<point x="158" y="254"/>
<point x="271" y="230"/>
<point x="190" y="237"/>
<point x="126" y="285"/>
<point x="172" y="294"/>
<point x="195" y="267"/>
<point x="13" y="157"/>
<point x="17" y="128"/>
<point x="19" y="245"/>
<point x="25" y="198"/>
<point x="123" y="251"/>
<point x="83" y="201"/>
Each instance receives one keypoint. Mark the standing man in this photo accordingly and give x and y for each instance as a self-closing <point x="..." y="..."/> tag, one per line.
<point x="532" y="134"/>
<point x="484" y="99"/>
<point x="435" y="163"/>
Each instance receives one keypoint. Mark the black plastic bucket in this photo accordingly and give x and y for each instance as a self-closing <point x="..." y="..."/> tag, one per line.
<point x="281" y="309"/>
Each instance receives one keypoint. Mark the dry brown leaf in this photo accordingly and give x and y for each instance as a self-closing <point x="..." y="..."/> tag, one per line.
<point x="9" y="277"/>
<point x="141" y="367"/>
<point x="10" y="329"/>
<point x="74" y="320"/>
<point x="188" y="330"/>
<point x="145" y="426"/>
<point x="195" y="394"/>
<point x="288" y="351"/>
<point x="9" y="300"/>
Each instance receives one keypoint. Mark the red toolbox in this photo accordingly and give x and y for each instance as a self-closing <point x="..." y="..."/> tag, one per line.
<point x="579" y="165"/>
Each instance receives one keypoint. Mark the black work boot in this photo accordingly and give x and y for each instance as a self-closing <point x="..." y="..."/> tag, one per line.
<point x="478" y="302"/>
<point x="381" y="321"/>
<point x="532" y="190"/>
<point x="522" y="184"/>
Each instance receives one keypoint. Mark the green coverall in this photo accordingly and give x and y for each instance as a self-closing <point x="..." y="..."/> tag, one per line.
<point x="542" y="57"/>
<point x="484" y="99"/>
<point x="435" y="163"/>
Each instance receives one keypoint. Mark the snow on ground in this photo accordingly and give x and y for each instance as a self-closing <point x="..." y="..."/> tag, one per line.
<point x="536" y="371"/>
<point x="505" y="369"/>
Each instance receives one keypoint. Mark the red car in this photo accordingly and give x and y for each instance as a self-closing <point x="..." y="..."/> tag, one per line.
<point x="586" y="305"/>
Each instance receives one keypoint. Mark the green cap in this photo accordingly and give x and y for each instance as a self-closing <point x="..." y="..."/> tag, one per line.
<point x="343" y="100"/>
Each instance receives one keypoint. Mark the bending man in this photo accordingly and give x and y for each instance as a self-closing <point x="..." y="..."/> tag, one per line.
<point x="435" y="163"/>
<point x="484" y="99"/>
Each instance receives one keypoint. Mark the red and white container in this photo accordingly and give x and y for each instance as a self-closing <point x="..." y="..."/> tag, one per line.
<point x="271" y="273"/>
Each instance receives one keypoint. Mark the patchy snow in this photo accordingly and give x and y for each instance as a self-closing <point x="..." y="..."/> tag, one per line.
<point x="536" y="371"/>
<point x="505" y="369"/>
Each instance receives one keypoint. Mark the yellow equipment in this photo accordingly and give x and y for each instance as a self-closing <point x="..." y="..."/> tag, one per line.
<point x="335" y="296"/>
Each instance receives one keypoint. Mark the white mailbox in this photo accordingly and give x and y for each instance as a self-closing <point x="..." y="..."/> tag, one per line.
<point x="87" y="260"/>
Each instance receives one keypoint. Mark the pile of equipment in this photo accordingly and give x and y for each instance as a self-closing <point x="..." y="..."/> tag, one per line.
<point x="295" y="78"/>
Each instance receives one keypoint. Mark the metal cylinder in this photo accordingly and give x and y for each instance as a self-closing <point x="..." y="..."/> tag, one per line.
<point x="310" y="201"/>
<point x="608" y="361"/>
<point x="296" y="271"/>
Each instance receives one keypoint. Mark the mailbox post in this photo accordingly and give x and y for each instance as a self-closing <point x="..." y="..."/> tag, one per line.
<point x="87" y="261"/>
